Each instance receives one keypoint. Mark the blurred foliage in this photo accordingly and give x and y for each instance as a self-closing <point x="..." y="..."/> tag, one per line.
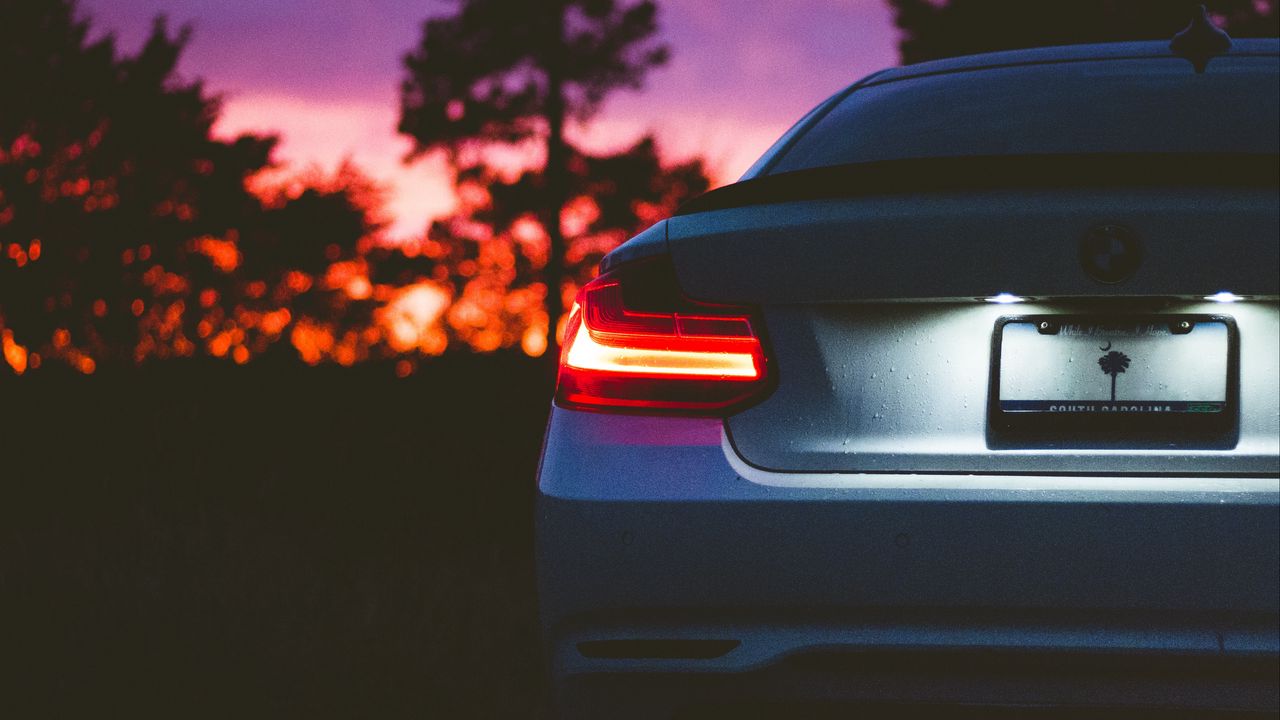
<point x="498" y="246"/>
<point x="510" y="71"/>
<point x="129" y="232"/>
<point x="935" y="29"/>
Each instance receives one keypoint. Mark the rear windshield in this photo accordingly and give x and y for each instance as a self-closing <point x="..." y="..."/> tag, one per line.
<point x="1151" y="105"/>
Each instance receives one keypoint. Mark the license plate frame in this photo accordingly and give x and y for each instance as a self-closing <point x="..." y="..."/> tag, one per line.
<point x="1171" y="422"/>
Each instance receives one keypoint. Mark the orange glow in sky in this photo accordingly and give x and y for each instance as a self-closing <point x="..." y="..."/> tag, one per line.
<point x="412" y="319"/>
<point x="325" y="75"/>
<point x="318" y="134"/>
<point x="14" y="354"/>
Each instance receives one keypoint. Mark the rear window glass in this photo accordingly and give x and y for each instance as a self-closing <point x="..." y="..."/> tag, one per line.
<point x="1157" y="105"/>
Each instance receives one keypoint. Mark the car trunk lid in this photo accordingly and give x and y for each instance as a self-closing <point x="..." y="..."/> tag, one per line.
<point x="883" y="345"/>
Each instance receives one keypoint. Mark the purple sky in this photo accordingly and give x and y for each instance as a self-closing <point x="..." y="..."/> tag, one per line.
<point x="325" y="74"/>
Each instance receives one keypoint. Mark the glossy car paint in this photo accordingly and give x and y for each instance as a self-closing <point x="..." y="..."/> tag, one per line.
<point x="869" y="506"/>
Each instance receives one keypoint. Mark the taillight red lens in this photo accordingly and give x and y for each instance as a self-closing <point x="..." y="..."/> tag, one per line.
<point x="633" y="341"/>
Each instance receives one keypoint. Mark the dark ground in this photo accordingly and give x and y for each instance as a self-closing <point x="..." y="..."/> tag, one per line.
<point x="207" y="540"/>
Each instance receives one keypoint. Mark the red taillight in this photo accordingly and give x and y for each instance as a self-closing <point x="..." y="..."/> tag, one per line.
<point x="633" y="341"/>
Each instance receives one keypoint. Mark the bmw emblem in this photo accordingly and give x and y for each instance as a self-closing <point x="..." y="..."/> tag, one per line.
<point x="1110" y="253"/>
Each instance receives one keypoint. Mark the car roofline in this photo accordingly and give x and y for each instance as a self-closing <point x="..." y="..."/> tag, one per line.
<point x="1097" y="52"/>
<point x="1059" y="54"/>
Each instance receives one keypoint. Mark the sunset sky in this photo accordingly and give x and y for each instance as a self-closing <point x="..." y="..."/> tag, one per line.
<point x="325" y="74"/>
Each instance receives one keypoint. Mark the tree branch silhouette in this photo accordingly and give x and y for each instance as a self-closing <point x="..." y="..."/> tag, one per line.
<point x="932" y="30"/>
<point x="509" y="71"/>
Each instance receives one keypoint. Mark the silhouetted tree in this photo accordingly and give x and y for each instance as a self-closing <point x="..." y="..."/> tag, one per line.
<point x="495" y="246"/>
<point x="509" y="71"/>
<point x="933" y="29"/>
<point x="126" y="230"/>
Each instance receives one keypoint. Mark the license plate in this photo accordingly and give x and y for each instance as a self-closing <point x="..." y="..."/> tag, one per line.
<point x="1145" y="367"/>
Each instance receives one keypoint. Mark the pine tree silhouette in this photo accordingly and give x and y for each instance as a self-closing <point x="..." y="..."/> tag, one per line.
<point x="129" y="230"/>
<point x="932" y="29"/>
<point x="507" y="71"/>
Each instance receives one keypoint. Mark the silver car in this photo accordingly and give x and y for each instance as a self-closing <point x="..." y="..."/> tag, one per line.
<point x="966" y="395"/>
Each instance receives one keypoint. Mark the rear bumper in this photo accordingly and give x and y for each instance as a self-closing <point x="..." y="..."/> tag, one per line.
<point x="650" y="532"/>
<point x="936" y="686"/>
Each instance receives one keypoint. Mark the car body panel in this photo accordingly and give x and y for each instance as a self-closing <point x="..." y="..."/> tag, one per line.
<point x="653" y="529"/>
<point x="903" y="387"/>
<point x="956" y="245"/>
<point x="868" y="505"/>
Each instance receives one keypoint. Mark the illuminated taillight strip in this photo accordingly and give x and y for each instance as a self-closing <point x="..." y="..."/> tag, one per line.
<point x="585" y="353"/>
<point x="635" y="343"/>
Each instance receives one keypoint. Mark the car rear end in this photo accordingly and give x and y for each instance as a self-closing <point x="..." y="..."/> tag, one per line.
<point x="967" y="396"/>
